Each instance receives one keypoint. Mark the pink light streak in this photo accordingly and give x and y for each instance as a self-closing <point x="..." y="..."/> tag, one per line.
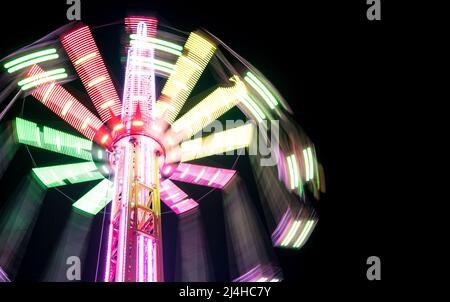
<point x="203" y="175"/>
<point x="177" y="200"/>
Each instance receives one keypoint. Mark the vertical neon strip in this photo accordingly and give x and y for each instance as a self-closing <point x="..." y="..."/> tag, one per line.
<point x="292" y="231"/>
<point x="304" y="234"/>
<point x="295" y="166"/>
<point x="305" y="157"/>
<point x="311" y="164"/>
<point x="151" y="269"/>
<point x="108" y="251"/>
<point x="139" y="80"/>
<point x="291" y="172"/>
<point x="141" y="258"/>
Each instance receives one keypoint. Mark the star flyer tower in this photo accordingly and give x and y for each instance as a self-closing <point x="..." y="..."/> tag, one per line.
<point x="134" y="252"/>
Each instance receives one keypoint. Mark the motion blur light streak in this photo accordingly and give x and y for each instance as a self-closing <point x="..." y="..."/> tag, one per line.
<point x="193" y="264"/>
<point x="211" y="177"/>
<point x="236" y="138"/>
<point x="3" y="276"/>
<point x="247" y="249"/>
<point x="154" y="144"/>
<point x="84" y="54"/>
<point x="77" y="115"/>
<point x="96" y="199"/>
<point x="31" y="59"/>
<point x="17" y="219"/>
<point x="73" y="242"/>
<point x="8" y="148"/>
<point x="30" y="134"/>
<point x="189" y="67"/>
<point x="74" y="173"/>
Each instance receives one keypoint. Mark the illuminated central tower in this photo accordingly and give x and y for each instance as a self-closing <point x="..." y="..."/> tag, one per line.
<point x="134" y="251"/>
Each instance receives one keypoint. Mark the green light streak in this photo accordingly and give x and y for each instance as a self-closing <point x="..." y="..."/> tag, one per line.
<point x="29" y="56"/>
<point x="291" y="232"/>
<point x="304" y="234"/>
<point x="40" y="76"/>
<point x="156" y="46"/>
<point x="305" y="156"/>
<point x="29" y="133"/>
<point x="159" y="41"/>
<point x="311" y="164"/>
<point x="33" y="61"/>
<point x="253" y="107"/>
<point x="45" y="80"/>
<point x="291" y="172"/>
<point x="263" y="88"/>
<point x="164" y="69"/>
<point x="61" y="175"/>
<point x="96" y="199"/>
<point x="260" y="92"/>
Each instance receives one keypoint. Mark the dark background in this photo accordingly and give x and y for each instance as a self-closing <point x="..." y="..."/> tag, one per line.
<point x="338" y="72"/>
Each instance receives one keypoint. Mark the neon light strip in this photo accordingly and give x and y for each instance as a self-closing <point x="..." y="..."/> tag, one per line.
<point x="200" y="175"/>
<point x="66" y="108"/>
<point x="293" y="229"/>
<point x="155" y="46"/>
<point x="78" y="113"/>
<point x="47" y="92"/>
<point x="139" y="81"/>
<point x="72" y="173"/>
<point x="175" y="198"/>
<point x="45" y="80"/>
<point x="29" y="57"/>
<point x="85" y="58"/>
<point x="29" y="133"/>
<point x="291" y="172"/>
<point x="32" y="62"/>
<point x="210" y="108"/>
<point x="311" y="164"/>
<point x="96" y="81"/>
<point x="96" y="199"/>
<point x="307" y="169"/>
<point x="304" y="234"/>
<point x="88" y="62"/>
<point x="295" y="166"/>
<point x="159" y="41"/>
<point x="150" y="261"/>
<point x="253" y="107"/>
<point x="236" y="138"/>
<point x="261" y="89"/>
<point x="214" y="178"/>
<point x="203" y="175"/>
<point x="180" y="84"/>
<point x="41" y="75"/>
<point x="141" y="258"/>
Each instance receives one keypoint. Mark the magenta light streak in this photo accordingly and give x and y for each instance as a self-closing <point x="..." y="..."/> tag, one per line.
<point x="203" y="175"/>
<point x="151" y="269"/>
<point x="177" y="200"/>
<point x="141" y="258"/>
<point x="110" y="231"/>
<point x="282" y="228"/>
<point x="108" y="253"/>
<point x="123" y="217"/>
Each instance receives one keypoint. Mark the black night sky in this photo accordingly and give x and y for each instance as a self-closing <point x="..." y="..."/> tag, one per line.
<point x="331" y="64"/>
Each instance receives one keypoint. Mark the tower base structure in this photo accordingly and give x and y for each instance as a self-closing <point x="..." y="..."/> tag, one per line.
<point x="134" y="251"/>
